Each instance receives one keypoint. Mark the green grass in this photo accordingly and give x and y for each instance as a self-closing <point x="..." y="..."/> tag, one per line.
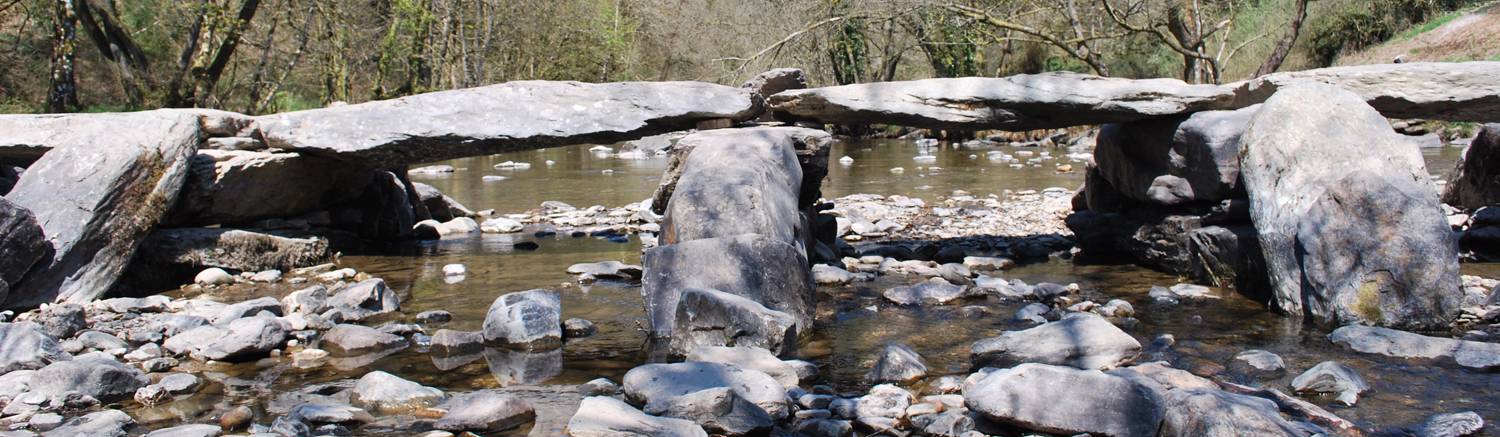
<point x="1430" y="25"/>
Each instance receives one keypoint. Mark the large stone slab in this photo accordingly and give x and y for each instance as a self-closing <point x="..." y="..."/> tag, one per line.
<point x="1456" y="91"/>
<point x="1176" y="160"/>
<point x="769" y="272"/>
<point x="1063" y="400"/>
<point x="1475" y="180"/>
<point x="506" y="117"/>
<point x="1015" y="103"/>
<point x="739" y="181"/>
<point x="105" y="184"/>
<point x="1349" y="224"/>
<point x="233" y="186"/>
<point x="21" y="246"/>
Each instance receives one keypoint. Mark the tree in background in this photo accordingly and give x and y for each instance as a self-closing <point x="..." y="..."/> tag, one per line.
<point x="62" y="95"/>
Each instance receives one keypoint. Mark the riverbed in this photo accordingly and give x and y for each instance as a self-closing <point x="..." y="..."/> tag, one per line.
<point x="854" y="322"/>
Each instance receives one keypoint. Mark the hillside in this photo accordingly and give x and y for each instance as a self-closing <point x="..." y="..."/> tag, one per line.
<point x="1469" y="35"/>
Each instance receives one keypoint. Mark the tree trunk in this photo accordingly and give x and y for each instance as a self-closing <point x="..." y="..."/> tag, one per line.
<point x="1284" y="47"/>
<point x="206" y="78"/>
<point x="62" y="95"/>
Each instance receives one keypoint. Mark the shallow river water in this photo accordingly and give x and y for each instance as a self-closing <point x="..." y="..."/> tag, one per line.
<point x="853" y="321"/>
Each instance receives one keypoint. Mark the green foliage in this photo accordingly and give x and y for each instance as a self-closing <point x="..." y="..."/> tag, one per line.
<point x="1429" y="25"/>
<point x="951" y="44"/>
<point x="1361" y="24"/>
<point x="848" y="50"/>
<point x="291" y="101"/>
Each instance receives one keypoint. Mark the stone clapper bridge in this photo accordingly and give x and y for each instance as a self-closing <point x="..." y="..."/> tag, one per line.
<point x="180" y="190"/>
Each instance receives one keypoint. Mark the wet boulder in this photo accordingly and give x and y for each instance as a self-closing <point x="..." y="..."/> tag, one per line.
<point x="242" y="339"/>
<point x="384" y="392"/>
<point x="1176" y="160"/>
<point x="310" y="300"/>
<point x="511" y="367"/>
<point x="485" y="411"/>
<point x="1081" y="340"/>
<point x="450" y="342"/>
<point x="1349" y="224"/>
<point x="107" y="423"/>
<point x="934" y="291"/>
<point x="600" y="416"/>
<point x="897" y="363"/>
<point x="529" y="319"/>
<point x="365" y="299"/>
<point x="1475" y="181"/>
<point x="1015" y="103"/>
<point x="789" y="373"/>
<point x="353" y="340"/>
<point x="26" y="345"/>
<point x="1451" y="425"/>
<point x="707" y="317"/>
<point x="1331" y="377"/>
<point x="522" y="115"/>
<point x="21" y="246"/>
<point x="1214" y="413"/>
<point x="607" y="269"/>
<point x="1064" y="400"/>
<point x="1258" y="363"/>
<point x="771" y="273"/>
<point x="441" y="207"/>
<point x="657" y="385"/>
<point x="193" y="430"/>
<point x="101" y="378"/>
<point x="718" y="410"/>
<point x="106" y="183"/>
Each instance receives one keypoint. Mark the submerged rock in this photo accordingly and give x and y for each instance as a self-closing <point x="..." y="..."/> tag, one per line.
<point x="1213" y="413"/>
<point x="1451" y="425"/>
<point x="1063" y="400"/>
<point x="600" y="416"/>
<point x="353" y="340"/>
<point x="898" y="363"/>
<point x="1349" y="225"/>
<point x="934" y="290"/>
<point x="1331" y="377"/>
<point x="528" y="319"/>
<point x="1081" y="340"/>
<point x="380" y="391"/>
<point x="1394" y="343"/>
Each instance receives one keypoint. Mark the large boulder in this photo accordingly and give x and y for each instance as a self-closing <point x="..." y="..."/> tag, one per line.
<point x="26" y="345"/>
<point x="106" y="183"/>
<point x="168" y="257"/>
<point x="232" y="186"/>
<point x="657" y="385"/>
<point x="102" y="378"/>
<point x="719" y="410"/>
<point x="107" y="423"/>
<point x="1064" y="400"/>
<point x="739" y="181"/>
<point x="353" y="340"/>
<point x="519" y="115"/>
<point x="1081" y="340"/>
<point x="247" y="338"/>
<point x="1349" y="224"/>
<point x="365" y="299"/>
<point x="21" y="246"/>
<point x="529" y="319"/>
<point x="600" y="416"/>
<point x="1016" y="103"/>
<point x="715" y="318"/>
<point x="769" y="272"/>
<point x="485" y="411"/>
<point x="441" y="207"/>
<point x="1176" y="160"/>
<point x="1475" y="180"/>
<point x="387" y="393"/>
<point x="1204" y="412"/>
<point x="1456" y="91"/>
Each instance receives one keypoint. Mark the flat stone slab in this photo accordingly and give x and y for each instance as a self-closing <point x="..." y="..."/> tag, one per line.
<point x="506" y="117"/>
<point x="1454" y="91"/>
<point x="1402" y="344"/>
<point x="1015" y="103"/>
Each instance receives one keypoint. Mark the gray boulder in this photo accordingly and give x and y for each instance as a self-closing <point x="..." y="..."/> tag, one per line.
<point x="1176" y="160"/>
<point x="310" y="300"/>
<point x="739" y="181"/>
<point x="1214" y="413"/>
<point x="768" y="272"/>
<point x="600" y="416"/>
<point x="657" y="385"/>
<point x="1063" y="400"/>
<point x="1350" y="227"/>
<point x="789" y="373"/>
<point x="1081" y="340"/>
<point x="105" y="184"/>
<point x="1258" y="363"/>
<point x="63" y="320"/>
<point x="521" y="115"/>
<point x="232" y="186"/>
<point x="1015" y="103"/>
<point x="168" y="256"/>
<point x="353" y="340"/>
<point x="441" y="207"/>
<point x="21" y="246"/>
<point x="607" y="269"/>
<point x="1331" y="377"/>
<point x="898" y="363"/>
<point x="934" y="290"/>
<point x="102" y="378"/>
<point x="1451" y="425"/>
<point x="242" y="339"/>
<point x="1455" y="91"/>
<point x="107" y="423"/>
<point x="26" y="345"/>
<point x="247" y="308"/>
<point x="451" y="342"/>
<point x="529" y="319"/>
<point x="715" y="318"/>
<point x="194" y="430"/>
<point x="719" y="410"/>
<point x="365" y="299"/>
<point x="773" y="81"/>
<point x="1473" y="182"/>
<point x="485" y="411"/>
<point x="387" y="393"/>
